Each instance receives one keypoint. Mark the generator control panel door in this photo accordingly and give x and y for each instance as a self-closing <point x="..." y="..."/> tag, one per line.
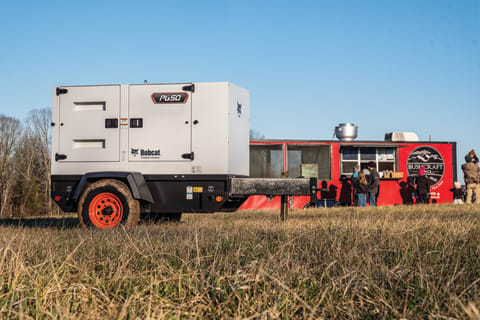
<point x="160" y="122"/>
<point x="89" y="128"/>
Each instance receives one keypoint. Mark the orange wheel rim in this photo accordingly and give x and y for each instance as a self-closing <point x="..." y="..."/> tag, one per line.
<point x="105" y="210"/>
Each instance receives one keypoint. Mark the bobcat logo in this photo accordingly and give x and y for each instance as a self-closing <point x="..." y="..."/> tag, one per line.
<point x="239" y="109"/>
<point x="134" y="152"/>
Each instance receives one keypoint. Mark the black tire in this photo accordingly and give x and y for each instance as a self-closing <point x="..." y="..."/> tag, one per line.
<point x="123" y="201"/>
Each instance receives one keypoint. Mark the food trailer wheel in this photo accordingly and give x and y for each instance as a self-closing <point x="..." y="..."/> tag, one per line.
<point x="107" y="203"/>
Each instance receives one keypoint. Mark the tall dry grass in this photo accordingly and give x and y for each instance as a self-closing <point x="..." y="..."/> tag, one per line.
<point x="401" y="262"/>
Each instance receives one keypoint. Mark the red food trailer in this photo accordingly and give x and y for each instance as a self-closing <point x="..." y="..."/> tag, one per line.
<point x="332" y="163"/>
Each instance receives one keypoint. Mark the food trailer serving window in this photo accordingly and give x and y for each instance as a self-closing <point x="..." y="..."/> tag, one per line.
<point x="266" y="161"/>
<point x="309" y="161"/>
<point x="384" y="157"/>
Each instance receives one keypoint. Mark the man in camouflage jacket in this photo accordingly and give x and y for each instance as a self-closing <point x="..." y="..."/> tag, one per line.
<point x="471" y="172"/>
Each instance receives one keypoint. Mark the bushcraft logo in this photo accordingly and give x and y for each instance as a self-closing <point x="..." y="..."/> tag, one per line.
<point x="431" y="159"/>
<point x="146" y="153"/>
<point x="239" y="109"/>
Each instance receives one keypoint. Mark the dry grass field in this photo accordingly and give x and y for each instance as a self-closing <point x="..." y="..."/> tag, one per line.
<point x="401" y="262"/>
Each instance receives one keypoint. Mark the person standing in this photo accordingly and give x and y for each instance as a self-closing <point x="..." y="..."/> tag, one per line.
<point x="423" y="186"/>
<point x="354" y="179"/>
<point x="345" y="198"/>
<point x="374" y="183"/>
<point x="361" y="187"/>
<point x="471" y="173"/>
<point x="457" y="193"/>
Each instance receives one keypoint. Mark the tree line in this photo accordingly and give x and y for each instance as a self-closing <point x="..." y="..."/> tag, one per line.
<point x="25" y="165"/>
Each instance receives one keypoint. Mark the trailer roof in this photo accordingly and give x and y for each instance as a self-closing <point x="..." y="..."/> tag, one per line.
<point x="351" y="142"/>
<point x="138" y="84"/>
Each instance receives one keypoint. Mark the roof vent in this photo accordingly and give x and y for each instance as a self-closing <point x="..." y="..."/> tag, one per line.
<point x="401" y="136"/>
<point x="346" y="131"/>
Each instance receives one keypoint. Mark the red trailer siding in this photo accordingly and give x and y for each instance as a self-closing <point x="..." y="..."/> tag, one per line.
<point x="392" y="191"/>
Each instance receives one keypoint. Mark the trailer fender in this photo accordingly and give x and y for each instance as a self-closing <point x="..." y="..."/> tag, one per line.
<point x="135" y="181"/>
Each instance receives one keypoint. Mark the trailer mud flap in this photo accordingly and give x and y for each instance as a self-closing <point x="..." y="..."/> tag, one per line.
<point x="135" y="181"/>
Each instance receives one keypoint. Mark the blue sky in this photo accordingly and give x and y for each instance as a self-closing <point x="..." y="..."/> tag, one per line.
<point x="384" y="65"/>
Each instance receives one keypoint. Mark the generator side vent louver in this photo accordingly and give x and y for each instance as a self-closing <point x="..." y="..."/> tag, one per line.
<point x="90" y="106"/>
<point x="89" y="144"/>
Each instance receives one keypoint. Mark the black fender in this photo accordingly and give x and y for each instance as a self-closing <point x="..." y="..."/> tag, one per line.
<point x="135" y="181"/>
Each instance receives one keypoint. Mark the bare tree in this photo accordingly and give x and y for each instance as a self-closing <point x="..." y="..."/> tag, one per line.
<point x="10" y="130"/>
<point x="254" y="134"/>
<point x="28" y="196"/>
<point x="38" y="125"/>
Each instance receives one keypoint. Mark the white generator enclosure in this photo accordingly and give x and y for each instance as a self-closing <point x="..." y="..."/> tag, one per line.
<point x="186" y="128"/>
<point x="120" y="152"/>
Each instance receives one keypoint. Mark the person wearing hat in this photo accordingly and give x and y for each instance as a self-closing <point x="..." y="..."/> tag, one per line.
<point x="374" y="183"/>
<point x="471" y="173"/>
<point x="423" y="186"/>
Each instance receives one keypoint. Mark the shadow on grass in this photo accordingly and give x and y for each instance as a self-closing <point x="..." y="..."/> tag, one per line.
<point x="64" y="222"/>
<point x="41" y="222"/>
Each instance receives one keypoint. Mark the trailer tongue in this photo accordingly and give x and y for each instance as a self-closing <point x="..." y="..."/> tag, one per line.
<point x="275" y="187"/>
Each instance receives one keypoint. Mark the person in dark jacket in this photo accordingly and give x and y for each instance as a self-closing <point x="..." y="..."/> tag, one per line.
<point x="423" y="187"/>
<point x="345" y="198"/>
<point x="374" y="183"/>
<point x="354" y="181"/>
<point x="407" y="190"/>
